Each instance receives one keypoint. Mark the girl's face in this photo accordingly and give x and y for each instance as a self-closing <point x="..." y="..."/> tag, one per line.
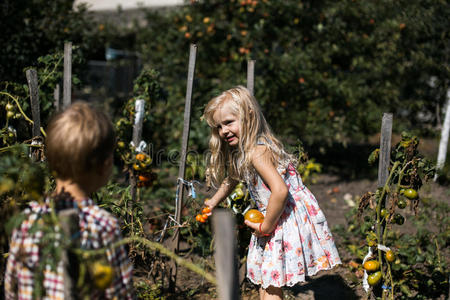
<point x="227" y="125"/>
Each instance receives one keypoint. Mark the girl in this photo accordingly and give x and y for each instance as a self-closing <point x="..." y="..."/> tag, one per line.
<point x="293" y="241"/>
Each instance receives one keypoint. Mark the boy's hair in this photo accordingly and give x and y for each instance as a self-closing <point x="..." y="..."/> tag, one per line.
<point x="78" y="139"/>
<point x="253" y="129"/>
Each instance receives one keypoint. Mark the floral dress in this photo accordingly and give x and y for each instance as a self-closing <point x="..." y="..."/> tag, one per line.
<point x="301" y="245"/>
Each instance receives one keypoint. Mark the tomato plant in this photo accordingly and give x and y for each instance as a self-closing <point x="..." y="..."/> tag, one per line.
<point x="408" y="169"/>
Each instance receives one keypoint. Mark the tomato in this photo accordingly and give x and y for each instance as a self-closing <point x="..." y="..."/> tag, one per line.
<point x="383" y="212"/>
<point x="103" y="275"/>
<point x="140" y="156"/>
<point x="239" y="193"/>
<point x="199" y="218"/>
<point x="144" y="178"/>
<point x="205" y="216"/>
<point x="206" y="210"/>
<point x="120" y="144"/>
<point x="411" y="194"/>
<point x="9" y="114"/>
<point x="9" y="107"/>
<point x="371" y="265"/>
<point x="136" y="167"/>
<point x="254" y="215"/>
<point x="390" y="256"/>
<point x="401" y="203"/>
<point x="399" y="219"/>
<point x="374" y="278"/>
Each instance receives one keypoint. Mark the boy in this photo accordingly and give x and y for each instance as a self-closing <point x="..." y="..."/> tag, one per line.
<point x="79" y="151"/>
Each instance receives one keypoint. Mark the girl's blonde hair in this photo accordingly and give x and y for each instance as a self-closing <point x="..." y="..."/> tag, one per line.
<point x="225" y="161"/>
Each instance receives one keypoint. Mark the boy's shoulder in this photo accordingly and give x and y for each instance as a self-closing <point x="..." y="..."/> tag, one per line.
<point x="100" y="216"/>
<point x="89" y="211"/>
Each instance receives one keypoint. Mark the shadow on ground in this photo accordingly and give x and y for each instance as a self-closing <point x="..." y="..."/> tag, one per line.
<point x="326" y="287"/>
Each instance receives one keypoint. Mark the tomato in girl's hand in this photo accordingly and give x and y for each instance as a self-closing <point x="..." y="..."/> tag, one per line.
<point x="206" y="210"/>
<point x="254" y="215"/>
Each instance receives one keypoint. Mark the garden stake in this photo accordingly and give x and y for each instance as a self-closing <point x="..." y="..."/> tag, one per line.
<point x="67" y="84"/>
<point x="181" y="171"/>
<point x="35" y="112"/>
<point x="225" y="255"/>
<point x="383" y="172"/>
<point x="251" y="75"/>
<point x="136" y="139"/>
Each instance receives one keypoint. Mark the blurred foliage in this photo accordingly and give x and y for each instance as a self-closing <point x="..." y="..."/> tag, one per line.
<point x="325" y="70"/>
<point x="34" y="28"/>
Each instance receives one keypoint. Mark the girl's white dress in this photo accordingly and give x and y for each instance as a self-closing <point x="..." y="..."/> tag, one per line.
<point x="301" y="245"/>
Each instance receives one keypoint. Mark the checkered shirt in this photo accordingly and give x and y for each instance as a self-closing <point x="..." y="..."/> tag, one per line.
<point x="98" y="229"/>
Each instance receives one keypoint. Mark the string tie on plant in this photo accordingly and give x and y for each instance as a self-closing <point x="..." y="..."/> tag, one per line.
<point x="386" y="287"/>
<point x="365" y="283"/>
<point x="141" y="147"/>
<point x="383" y="248"/>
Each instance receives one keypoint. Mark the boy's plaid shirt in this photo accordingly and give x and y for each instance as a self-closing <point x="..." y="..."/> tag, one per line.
<point x="98" y="229"/>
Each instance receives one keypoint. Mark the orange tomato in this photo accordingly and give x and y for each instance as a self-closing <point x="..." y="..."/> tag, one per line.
<point x="254" y="215"/>
<point x="206" y="210"/>
<point x="140" y="156"/>
<point x="199" y="218"/>
<point x="371" y="265"/>
<point x="390" y="256"/>
<point x="144" y="178"/>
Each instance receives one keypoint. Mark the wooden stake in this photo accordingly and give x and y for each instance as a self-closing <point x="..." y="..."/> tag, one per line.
<point x="385" y="149"/>
<point x="444" y="137"/>
<point x="67" y="93"/>
<point x="225" y="255"/>
<point x="182" y="169"/>
<point x="56" y="96"/>
<point x="137" y="137"/>
<point x="251" y="76"/>
<point x="34" y="97"/>
<point x="69" y="222"/>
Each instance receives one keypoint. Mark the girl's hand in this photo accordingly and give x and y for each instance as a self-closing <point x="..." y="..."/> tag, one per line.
<point x="256" y="227"/>
<point x="210" y="204"/>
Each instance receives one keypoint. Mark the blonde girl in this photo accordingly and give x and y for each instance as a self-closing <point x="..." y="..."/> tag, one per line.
<point x="293" y="241"/>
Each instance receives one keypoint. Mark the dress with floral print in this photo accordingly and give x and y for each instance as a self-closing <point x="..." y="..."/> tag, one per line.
<point x="301" y="245"/>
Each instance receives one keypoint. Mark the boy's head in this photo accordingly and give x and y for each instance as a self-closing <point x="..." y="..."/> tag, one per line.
<point x="79" y="140"/>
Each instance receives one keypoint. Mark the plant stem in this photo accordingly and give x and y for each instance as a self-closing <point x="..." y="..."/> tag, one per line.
<point x="53" y="71"/>
<point x="154" y="246"/>
<point x="22" y="112"/>
<point x="379" y="229"/>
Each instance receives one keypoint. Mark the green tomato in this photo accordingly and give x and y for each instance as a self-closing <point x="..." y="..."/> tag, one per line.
<point x="383" y="212"/>
<point x="9" y="107"/>
<point x="411" y="194"/>
<point x="399" y="219"/>
<point x="401" y="203"/>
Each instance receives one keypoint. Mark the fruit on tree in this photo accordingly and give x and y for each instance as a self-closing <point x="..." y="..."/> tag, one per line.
<point x="374" y="278"/>
<point x="254" y="215"/>
<point x="206" y="210"/>
<point x="140" y="156"/>
<point x="399" y="219"/>
<point x="401" y="203"/>
<point x="390" y="256"/>
<point x="103" y="275"/>
<point x="411" y="194"/>
<point x="371" y="265"/>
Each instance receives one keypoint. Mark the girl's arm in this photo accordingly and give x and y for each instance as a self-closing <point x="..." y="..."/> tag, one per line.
<point x="262" y="161"/>
<point x="224" y="190"/>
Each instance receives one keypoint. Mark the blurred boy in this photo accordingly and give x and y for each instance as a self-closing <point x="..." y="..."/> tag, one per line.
<point x="79" y="150"/>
